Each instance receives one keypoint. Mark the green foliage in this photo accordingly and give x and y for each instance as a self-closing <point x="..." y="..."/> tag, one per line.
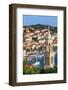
<point x="41" y="26"/>
<point x="35" y="39"/>
<point x="42" y="70"/>
<point x="28" y="50"/>
<point x="30" y="69"/>
<point x="40" y="49"/>
<point x="49" y="70"/>
<point x="25" y="62"/>
<point x="53" y="29"/>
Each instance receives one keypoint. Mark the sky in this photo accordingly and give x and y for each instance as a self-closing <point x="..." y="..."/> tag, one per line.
<point x="46" y="20"/>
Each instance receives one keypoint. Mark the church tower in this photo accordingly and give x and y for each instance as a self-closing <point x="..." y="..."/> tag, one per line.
<point x="49" y="51"/>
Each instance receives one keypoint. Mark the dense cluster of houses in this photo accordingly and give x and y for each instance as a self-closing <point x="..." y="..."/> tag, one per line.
<point x="35" y="40"/>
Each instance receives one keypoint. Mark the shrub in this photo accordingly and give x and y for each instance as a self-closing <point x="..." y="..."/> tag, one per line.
<point x="49" y="70"/>
<point x="29" y="69"/>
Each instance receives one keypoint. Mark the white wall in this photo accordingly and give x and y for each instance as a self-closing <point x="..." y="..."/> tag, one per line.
<point x="4" y="44"/>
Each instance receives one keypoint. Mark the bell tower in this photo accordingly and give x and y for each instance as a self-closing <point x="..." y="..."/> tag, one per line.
<point x="49" y="51"/>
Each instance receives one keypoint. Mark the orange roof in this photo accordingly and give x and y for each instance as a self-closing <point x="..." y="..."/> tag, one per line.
<point x="54" y="41"/>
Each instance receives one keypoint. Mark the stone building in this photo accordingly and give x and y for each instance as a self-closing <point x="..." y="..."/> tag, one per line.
<point x="49" y="51"/>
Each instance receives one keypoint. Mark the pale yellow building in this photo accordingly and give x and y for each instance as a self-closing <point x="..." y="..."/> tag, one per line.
<point x="49" y="51"/>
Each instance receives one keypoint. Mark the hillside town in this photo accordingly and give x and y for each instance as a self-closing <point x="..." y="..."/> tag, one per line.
<point x="39" y="43"/>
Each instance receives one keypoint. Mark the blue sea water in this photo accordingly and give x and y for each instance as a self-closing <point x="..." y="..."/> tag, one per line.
<point x="56" y="59"/>
<point x="39" y="58"/>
